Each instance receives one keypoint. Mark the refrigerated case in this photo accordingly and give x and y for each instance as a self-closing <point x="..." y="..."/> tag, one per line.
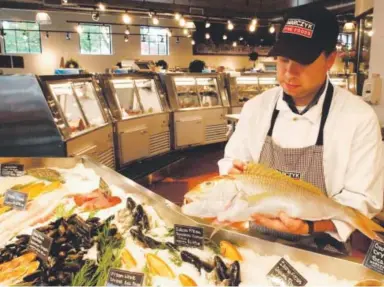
<point x="199" y="103"/>
<point x="139" y="107"/>
<point x="246" y="86"/>
<point x="346" y="81"/>
<point x="55" y="116"/>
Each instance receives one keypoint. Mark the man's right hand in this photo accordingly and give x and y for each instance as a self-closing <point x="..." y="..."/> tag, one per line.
<point x="237" y="168"/>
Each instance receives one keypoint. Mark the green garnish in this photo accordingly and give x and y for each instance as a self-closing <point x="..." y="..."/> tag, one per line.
<point x="176" y="258"/>
<point x="93" y="213"/>
<point x="212" y="245"/>
<point x="61" y="211"/>
<point x="170" y="232"/>
<point x="147" y="276"/>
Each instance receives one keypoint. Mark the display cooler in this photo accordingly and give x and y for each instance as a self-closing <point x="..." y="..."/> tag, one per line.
<point x="59" y="116"/>
<point x="141" y="114"/>
<point x="246" y="86"/>
<point x="199" y="103"/>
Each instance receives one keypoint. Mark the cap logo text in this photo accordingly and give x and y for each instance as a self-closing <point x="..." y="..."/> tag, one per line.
<point x="299" y="27"/>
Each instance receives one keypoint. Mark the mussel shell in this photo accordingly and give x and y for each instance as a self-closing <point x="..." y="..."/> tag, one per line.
<point x="145" y="222"/>
<point x="23" y="237"/>
<point x="234" y="274"/>
<point x="130" y="204"/>
<point x="112" y="230"/>
<point x="65" y="247"/>
<point x="61" y="240"/>
<point x="191" y="258"/>
<point x="71" y="267"/>
<point x="171" y="246"/>
<point x="220" y="269"/>
<point x="53" y="233"/>
<point x="152" y="243"/>
<point x="33" y="276"/>
<point x="93" y="220"/>
<point x="206" y="266"/>
<point x="138" y="215"/>
<point x="45" y="228"/>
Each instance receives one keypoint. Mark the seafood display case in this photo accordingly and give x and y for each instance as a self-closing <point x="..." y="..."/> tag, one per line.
<point x="133" y="230"/>
<point x="142" y="117"/>
<point x="346" y="81"/>
<point x="61" y="116"/>
<point x="199" y="103"/>
<point x="246" y="86"/>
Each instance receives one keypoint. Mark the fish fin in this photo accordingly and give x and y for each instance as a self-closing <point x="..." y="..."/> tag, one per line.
<point x="260" y="169"/>
<point x="364" y="224"/>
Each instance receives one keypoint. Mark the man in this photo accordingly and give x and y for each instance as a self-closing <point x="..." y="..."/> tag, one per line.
<point x="311" y="130"/>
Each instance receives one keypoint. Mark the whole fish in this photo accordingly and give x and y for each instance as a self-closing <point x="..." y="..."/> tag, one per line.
<point x="262" y="190"/>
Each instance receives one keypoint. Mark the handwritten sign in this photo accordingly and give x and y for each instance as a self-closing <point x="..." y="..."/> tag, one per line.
<point x="283" y="274"/>
<point x="12" y="169"/>
<point x="40" y="244"/>
<point x="118" y="277"/>
<point x="16" y="199"/>
<point x="375" y="257"/>
<point x="189" y="236"/>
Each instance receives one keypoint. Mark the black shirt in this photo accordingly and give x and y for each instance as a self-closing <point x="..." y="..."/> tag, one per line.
<point x="291" y="103"/>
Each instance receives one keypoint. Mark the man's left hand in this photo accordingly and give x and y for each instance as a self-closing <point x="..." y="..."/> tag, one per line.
<point x="282" y="223"/>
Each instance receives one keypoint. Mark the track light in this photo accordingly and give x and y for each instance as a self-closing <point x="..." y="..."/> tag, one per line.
<point x="155" y="20"/>
<point x="143" y="39"/>
<point x="234" y="44"/>
<point x="207" y="36"/>
<point x="177" y="40"/>
<point x="68" y="36"/>
<point x="370" y="33"/>
<point x="177" y="16"/>
<point x="241" y="39"/>
<point x="230" y="25"/>
<point x="185" y="31"/>
<point x="25" y="37"/>
<point x="64" y="2"/>
<point x="169" y="33"/>
<point x="127" y="32"/>
<point x="126" y="38"/>
<point x="225" y="37"/>
<point x="101" y="6"/>
<point x="254" y="22"/>
<point x="252" y="28"/>
<point x="46" y="35"/>
<point x="126" y="18"/>
<point x="193" y="42"/>
<point x="79" y="29"/>
<point x="42" y="18"/>
<point x="89" y="37"/>
<point x="272" y="29"/>
<point x="95" y="16"/>
<point x="189" y="35"/>
<point x="207" y="24"/>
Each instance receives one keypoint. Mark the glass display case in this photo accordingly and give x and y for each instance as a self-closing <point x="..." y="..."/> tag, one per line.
<point x="246" y="86"/>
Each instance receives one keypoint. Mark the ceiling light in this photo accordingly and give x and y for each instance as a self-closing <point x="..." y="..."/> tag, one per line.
<point x="182" y="22"/>
<point x="252" y="28"/>
<point x="185" y="31"/>
<point x="126" y="38"/>
<point x="101" y="6"/>
<point x="126" y="18"/>
<point x="207" y="36"/>
<point x="349" y="26"/>
<point x="272" y="29"/>
<point x="68" y="36"/>
<point x="169" y="33"/>
<point x="190" y="25"/>
<point x="254" y="22"/>
<point x="189" y="35"/>
<point x="95" y="16"/>
<point x="177" y="40"/>
<point x="234" y="44"/>
<point x="127" y="32"/>
<point x="241" y="39"/>
<point x="155" y="20"/>
<point x="193" y="42"/>
<point x="230" y="25"/>
<point x="63" y="2"/>
<point x="42" y="18"/>
<point x="225" y="37"/>
<point x="79" y="29"/>
<point x="25" y="37"/>
<point x="177" y="16"/>
<point x="207" y="24"/>
<point x="370" y="33"/>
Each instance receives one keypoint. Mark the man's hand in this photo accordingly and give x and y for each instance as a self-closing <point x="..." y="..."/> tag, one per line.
<point x="237" y="168"/>
<point x="283" y="223"/>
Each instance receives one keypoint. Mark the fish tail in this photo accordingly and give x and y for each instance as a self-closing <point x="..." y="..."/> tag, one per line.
<point x="364" y="224"/>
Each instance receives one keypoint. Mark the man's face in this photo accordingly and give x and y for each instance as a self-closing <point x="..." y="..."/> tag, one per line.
<point x="299" y="80"/>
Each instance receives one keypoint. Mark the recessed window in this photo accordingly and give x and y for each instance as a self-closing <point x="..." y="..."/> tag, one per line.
<point x="21" y="37"/>
<point x="95" y="39"/>
<point x="154" y="41"/>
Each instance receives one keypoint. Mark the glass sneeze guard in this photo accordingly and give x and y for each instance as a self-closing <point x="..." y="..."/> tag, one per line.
<point x="187" y="96"/>
<point x="208" y="92"/>
<point x="251" y="86"/>
<point x="149" y="95"/>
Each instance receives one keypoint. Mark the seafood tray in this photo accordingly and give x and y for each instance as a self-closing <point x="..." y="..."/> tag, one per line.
<point x="234" y="247"/>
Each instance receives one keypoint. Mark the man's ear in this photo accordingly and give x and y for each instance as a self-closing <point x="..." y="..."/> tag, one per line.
<point x="331" y="60"/>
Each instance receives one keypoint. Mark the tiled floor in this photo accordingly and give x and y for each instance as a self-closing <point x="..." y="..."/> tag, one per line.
<point x="199" y="164"/>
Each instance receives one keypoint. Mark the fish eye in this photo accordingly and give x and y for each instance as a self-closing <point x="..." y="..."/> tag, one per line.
<point x="208" y="184"/>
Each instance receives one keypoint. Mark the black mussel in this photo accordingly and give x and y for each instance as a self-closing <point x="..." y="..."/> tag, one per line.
<point x="138" y="215"/>
<point x="24" y="251"/>
<point x="137" y="234"/>
<point x="145" y="222"/>
<point x="45" y="228"/>
<point x="64" y="278"/>
<point x="52" y="280"/>
<point x="130" y="204"/>
<point x="93" y="220"/>
<point x="62" y="254"/>
<point x="65" y="247"/>
<point x="112" y="230"/>
<point x="71" y="230"/>
<point x="152" y="243"/>
<point x="57" y="223"/>
<point x="61" y="240"/>
<point x="109" y="219"/>
<point x="53" y="233"/>
<point x="220" y="269"/>
<point x="72" y="251"/>
<point x="71" y="267"/>
<point x="71" y="219"/>
<point x="11" y="246"/>
<point x="234" y="274"/>
<point x="7" y="256"/>
<point x="206" y="266"/>
<point x="191" y="258"/>
<point x="74" y="257"/>
<point x="23" y="237"/>
<point x="33" y="276"/>
<point x="62" y="230"/>
<point x="171" y="246"/>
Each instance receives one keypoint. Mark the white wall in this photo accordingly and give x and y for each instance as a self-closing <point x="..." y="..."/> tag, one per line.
<point x="362" y="6"/>
<point x="377" y="47"/>
<point x="56" y="46"/>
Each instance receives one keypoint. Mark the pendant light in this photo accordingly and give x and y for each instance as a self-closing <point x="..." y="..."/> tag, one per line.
<point x="42" y="18"/>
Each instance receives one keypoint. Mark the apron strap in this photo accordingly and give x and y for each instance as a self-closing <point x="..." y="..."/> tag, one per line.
<point x="325" y="112"/>
<point x="324" y="115"/>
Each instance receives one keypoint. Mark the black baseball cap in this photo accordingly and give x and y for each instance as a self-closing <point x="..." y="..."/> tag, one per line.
<point x="307" y="32"/>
